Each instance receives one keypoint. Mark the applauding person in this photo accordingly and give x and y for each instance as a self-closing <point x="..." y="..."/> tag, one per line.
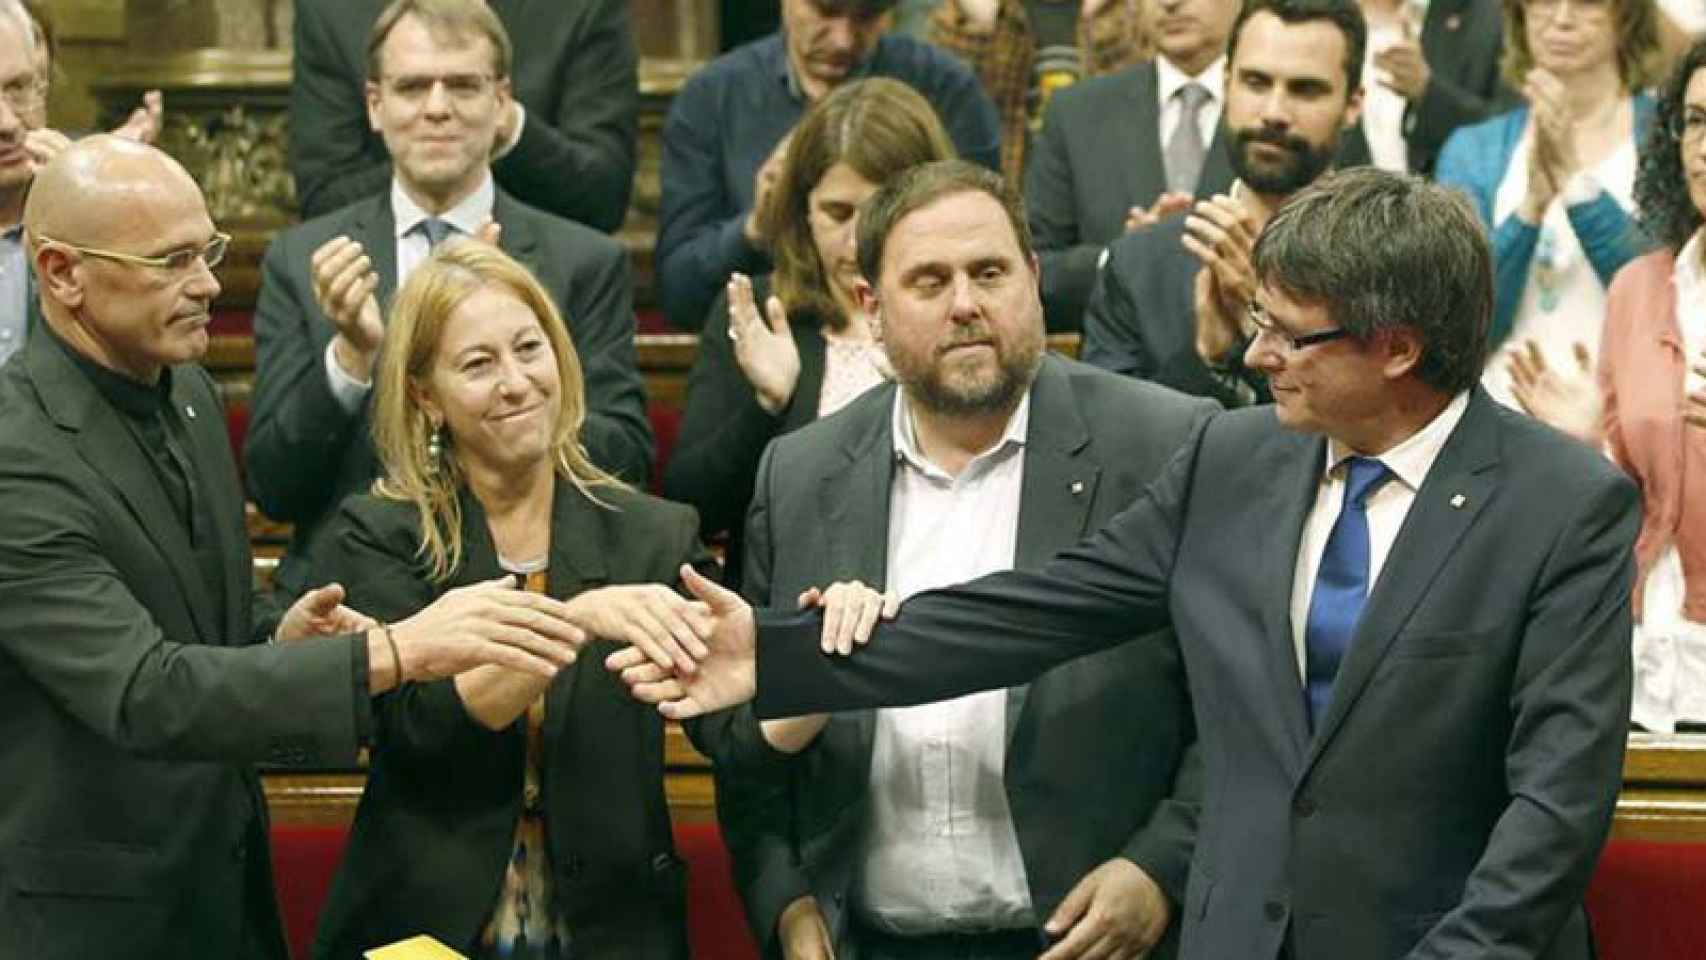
<point x="777" y="355"/>
<point x="1552" y="180"/>
<point x="506" y="814"/>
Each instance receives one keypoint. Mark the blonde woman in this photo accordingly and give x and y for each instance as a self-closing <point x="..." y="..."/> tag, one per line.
<point x="505" y="815"/>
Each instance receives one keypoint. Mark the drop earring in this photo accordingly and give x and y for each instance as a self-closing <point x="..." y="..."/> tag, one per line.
<point x="435" y="448"/>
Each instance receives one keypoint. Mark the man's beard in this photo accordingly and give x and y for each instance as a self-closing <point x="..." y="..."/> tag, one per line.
<point x="1305" y="162"/>
<point x="1014" y="371"/>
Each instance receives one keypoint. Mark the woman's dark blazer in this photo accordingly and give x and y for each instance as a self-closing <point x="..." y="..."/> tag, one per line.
<point x="435" y="827"/>
<point x="724" y="430"/>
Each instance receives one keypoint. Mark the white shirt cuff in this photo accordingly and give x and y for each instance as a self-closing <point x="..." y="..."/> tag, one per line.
<point x="1581" y="188"/>
<point x="515" y="137"/>
<point x="346" y="390"/>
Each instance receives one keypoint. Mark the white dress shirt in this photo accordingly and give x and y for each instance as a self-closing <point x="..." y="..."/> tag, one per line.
<point x="940" y="853"/>
<point x="1170" y="78"/>
<point x="468" y="216"/>
<point x="1387" y="507"/>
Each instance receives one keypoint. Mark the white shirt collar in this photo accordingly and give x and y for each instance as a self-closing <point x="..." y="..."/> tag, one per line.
<point x="467" y="216"/>
<point x="1411" y="460"/>
<point x="1687" y="272"/>
<point x="1169" y="78"/>
<point x="906" y="440"/>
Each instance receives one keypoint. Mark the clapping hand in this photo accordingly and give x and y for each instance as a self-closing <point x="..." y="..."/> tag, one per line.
<point x="765" y="351"/>
<point x="1407" y="71"/>
<point x="763" y="182"/>
<point x="344" y="282"/>
<point x="143" y="124"/>
<point x="1220" y="233"/>
<point x="1165" y="206"/>
<point x="1552" y="159"/>
<point x="1566" y="398"/>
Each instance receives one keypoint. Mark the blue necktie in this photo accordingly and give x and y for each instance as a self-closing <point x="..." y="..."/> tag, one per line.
<point x="436" y="230"/>
<point x="1341" y="586"/>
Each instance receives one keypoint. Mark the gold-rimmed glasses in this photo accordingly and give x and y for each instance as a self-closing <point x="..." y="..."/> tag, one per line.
<point x="178" y="261"/>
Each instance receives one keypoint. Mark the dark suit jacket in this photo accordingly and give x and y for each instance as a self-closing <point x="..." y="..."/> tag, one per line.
<point x="1090" y="769"/>
<point x="436" y="825"/>
<point x="1099" y="155"/>
<point x="724" y="430"/>
<point x="573" y="70"/>
<point x="132" y="825"/>
<point x="1461" y="41"/>
<point x="305" y="453"/>
<point x="1142" y="320"/>
<point x="1454" y="797"/>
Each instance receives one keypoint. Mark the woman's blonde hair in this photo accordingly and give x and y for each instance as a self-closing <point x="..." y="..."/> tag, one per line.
<point x="879" y="127"/>
<point x="456" y="271"/>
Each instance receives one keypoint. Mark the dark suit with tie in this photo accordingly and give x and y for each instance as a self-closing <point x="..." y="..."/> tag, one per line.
<point x="1097" y="156"/>
<point x="130" y="703"/>
<point x="1142" y="320"/>
<point x="1454" y="797"/>
<point x="304" y="452"/>
<point x="1090" y="770"/>
<point x="573" y="70"/>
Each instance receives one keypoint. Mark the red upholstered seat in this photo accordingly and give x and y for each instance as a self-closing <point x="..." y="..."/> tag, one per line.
<point x="305" y="858"/>
<point x="1646" y="901"/>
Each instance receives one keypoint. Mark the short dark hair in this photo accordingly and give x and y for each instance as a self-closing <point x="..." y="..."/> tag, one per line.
<point x="1383" y="251"/>
<point x="442" y="18"/>
<point x="921" y="186"/>
<point x="1344" y="14"/>
<point x="1667" y="212"/>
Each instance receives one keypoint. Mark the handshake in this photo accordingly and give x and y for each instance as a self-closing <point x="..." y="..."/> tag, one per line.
<point x="687" y="656"/>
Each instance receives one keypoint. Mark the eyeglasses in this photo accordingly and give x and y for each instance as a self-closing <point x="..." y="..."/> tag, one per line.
<point x="1586" y="8"/>
<point x="178" y="261"/>
<point x="462" y="87"/>
<point x="1689" y="126"/>
<point x="1297" y="341"/>
<point x="24" y="93"/>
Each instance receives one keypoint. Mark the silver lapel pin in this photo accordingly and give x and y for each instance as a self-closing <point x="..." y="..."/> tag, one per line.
<point x="1458" y="500"/>
<point x="189" y="411"/>
<point x="1077" y="487"/>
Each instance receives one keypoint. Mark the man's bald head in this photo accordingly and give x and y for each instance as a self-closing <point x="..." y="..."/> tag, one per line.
<point x="89" y="193"/>
<point x="104" y="220"/>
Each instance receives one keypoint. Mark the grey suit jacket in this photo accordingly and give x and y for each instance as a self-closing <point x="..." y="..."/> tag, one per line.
<point x="1142" y="320"/>
<point x="130" y="708"/>
<point x="574" y="70"/>
<point x="1098" y="155"/>
<point x="304" y="452"/>
<point x="1452" y="801"/>
<point x="794" y="825"/>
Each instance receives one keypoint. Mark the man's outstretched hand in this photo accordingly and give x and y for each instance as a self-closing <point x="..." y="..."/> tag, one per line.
<point x="728" y="674"/>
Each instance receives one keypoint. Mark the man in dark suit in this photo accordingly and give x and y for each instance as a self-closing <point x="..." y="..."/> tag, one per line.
<point x="131" y="694"/>
<point x="565" y="141"/>
<point x="724" y="139"/>
<point x="1170" y="302"/>
<point x="1447" y="77"/>
<point x="1404" y="613"/>
<point x="318" y="324"/>
<point x="1128" y="149"/>
<point x="905" y="490"/>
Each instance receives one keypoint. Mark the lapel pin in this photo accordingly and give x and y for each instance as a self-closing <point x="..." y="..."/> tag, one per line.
<point x="1458" y="500"/>
<point x="1077" y="487"/>
<point x="1453" y="22"/>
<point x="189" y="411"/>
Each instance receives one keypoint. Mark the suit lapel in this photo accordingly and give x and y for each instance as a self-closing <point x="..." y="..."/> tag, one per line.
<point x="1216" y="176"/>
<point x="1136" y="147"/>
<point x="1458" y="486"/>
<point x="855" y="501"/>
<point x="103" y="440"/>
<point x="376" y="229"/>
<point x="1297" y="478"/>
<point x="1058" y="489"/>
<point x="517" y="238"/>
<point x="210" y="453"/>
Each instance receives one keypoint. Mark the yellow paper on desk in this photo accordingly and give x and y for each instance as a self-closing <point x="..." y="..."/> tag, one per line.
<point x="422" y="947"/>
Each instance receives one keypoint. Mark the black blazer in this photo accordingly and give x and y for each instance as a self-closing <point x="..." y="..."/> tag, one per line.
<point x="130" y="708"/>
<point x="574" y="71"/>
<point x="1091" y="771"/>
<point x="724" y="430"/>
<point x="1453" y="799"/>
<point x="435" y="828"/>
<point x="1142" y="320"/>
<point x="1462" y="41"/>
<point x="304" y="453"/>
<point x="1097" y="156"/>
